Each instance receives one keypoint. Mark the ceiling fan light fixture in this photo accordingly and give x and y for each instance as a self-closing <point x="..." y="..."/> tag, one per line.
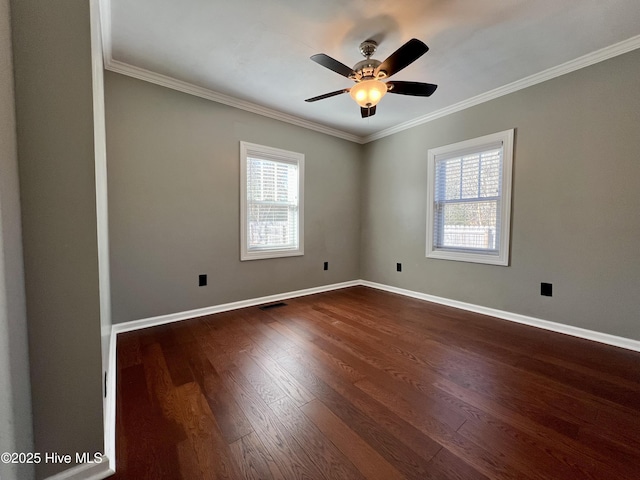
<point x="367" y="73"/>
<point x="368" y="93"/>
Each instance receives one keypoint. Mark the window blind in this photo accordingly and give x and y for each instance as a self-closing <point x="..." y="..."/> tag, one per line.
<point x="467" y="200"/>
<point x="272" y="204"/>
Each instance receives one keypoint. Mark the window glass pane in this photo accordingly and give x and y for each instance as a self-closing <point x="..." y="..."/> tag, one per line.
<point x="449" y="175"/>
<point x="470" y="225"/>
<point x="272" y="204"/>
<point x="490" y="173"/>
<point x="469" y="200"/>
<point x="272" y="226"/>
<point x="464" y="218"/>
<point x="470" y="176"/>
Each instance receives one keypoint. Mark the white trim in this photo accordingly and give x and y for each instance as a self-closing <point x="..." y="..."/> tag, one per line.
<point x="169" y="82"/>
<point x="622" y="342"/>
<point x="505" y="140"/>
<point x="176" y="317"/>
<point x="626" y="343"/>
<point x="100" y="153"/>
<point x="110" y="404"/>
<point x="110" y="417"/>
<point x="581" y="62"/>
<point x="100" y="26"/>
<point x="597" y="56"/>
<point x="105" y="30"/>
<point x="263" y="152"/>
<point x="86" y="471"/>
<point x="616" y="341"/>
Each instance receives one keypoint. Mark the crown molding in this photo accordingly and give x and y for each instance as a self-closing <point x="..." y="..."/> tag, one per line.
<point x="571" y="66"/>
<point x="116" y="66"/>
<point x="185" y="87"/>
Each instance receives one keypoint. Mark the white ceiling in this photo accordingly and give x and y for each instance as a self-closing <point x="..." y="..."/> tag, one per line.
<point x="258" y="50"/>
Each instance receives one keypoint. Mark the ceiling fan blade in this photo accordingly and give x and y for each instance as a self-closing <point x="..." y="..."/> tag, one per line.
<point x="417" y="89"/>
<point x="367" y="112"/>
<point x="327" y="95"/>
<point x="333" y="64"/>
<point x="404" y="56"/>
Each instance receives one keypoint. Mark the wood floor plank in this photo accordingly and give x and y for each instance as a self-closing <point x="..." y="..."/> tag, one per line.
<point x="161" y="391"/>
<point x="177" y="364"/>
<point x="254" y="328"/>
<point x="377" y="425"/>
<point x="152" y="455"/>
<point x="190" y="464"/>
<point x="129" y="352"/>
<point x="446" y="465"/>
<point x="268" y="389"/>
<point x="612" y="361"/>
<point x="289" y="385"/>
<point x="330" y="461"/>
<point x="529" y="455"/>
<point x="405" y="378"/>
<point x="359" y="383"/>
<point x="231" y="419"/>
<point x="286" y="452"/>
<point x="560" y="445"/>
<point x="257" y="321"/>
<point x="547" y="392"/>
<point x="256" y="463"/>
<point x="367" y="460"/>
<point x="263" y="381"/>
<point x="490" y="463"/>
<point x="204" y="437"/>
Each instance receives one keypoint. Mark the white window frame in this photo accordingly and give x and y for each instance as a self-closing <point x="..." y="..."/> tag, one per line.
<point x="252" y="150"/>
<point x="463" y="148"/>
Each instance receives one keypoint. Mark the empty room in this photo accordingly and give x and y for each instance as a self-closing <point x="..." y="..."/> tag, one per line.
<point x="319" y="240"/>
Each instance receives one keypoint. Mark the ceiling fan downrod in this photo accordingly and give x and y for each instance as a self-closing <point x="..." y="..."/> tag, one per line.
<point x="365" y="69"/>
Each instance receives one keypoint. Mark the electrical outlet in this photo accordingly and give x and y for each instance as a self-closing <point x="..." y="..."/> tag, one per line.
<point x="202" y="280"/>
<point x="546" y="289"/>
<point x="326" y="265"/>
<point x="398" y="267"/>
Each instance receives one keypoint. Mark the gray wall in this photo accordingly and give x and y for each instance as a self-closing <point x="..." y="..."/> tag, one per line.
<point x="576" y="195"/>
<point x="52" y="62"/>
<point x="174" y="179"/>
<point x="174" y="208"/>
<point x="174" y="213"/>
<point x="15" y="398"/>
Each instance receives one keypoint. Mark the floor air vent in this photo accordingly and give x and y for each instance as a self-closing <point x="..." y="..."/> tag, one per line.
<point x="273" y="305"/>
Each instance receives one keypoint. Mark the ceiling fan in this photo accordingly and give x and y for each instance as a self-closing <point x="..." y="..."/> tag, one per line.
<point x="368" y="73"/>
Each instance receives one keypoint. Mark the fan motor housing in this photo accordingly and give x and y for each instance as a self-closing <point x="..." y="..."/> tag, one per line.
<point x="367" y="69"/>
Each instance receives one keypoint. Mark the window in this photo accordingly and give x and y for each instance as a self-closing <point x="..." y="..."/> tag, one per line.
<point x="271" y="202"/>
<point x="469" y="200"/>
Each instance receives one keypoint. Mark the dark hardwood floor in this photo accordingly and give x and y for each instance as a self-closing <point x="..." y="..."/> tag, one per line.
<point x="359" y="383"/>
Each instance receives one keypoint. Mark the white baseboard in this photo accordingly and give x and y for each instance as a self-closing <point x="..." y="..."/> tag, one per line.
<point x="225" y="307"/>
<point x="86" y="471"/>
<point x="110" y="414"/>
<point x="605" y="338"/>
<point x="107" y="467"/>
